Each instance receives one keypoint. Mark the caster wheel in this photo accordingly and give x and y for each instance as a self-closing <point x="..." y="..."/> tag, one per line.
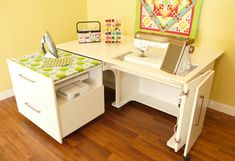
<point x="187" y="157"/>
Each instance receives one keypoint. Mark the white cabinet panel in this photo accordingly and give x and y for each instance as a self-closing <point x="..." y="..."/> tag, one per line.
<point x="186" y="109"/>
<point x="81" y="110"/>
<point x="42" y="117"/>
<point x="200" y="104"/>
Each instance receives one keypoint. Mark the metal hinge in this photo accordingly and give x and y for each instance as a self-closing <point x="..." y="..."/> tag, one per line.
<point x="185" y="93"/>
<point x="179" y="102"/>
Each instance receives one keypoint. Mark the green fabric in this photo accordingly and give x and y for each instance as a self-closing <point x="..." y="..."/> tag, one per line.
<point x="79" y="68"/>
<point x="36" y="62"/>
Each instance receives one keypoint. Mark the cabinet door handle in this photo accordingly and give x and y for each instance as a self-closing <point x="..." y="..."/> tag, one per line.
<point x="200" y="112"/>
<point x="36" y="110"/>
<point x="22" y="76"/>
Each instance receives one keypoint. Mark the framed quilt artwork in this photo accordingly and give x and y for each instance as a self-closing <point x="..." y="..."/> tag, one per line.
<point x="168" y="17"/>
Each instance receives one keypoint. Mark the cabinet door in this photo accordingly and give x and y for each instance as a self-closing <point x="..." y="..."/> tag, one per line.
<point x="200" y="104"/>
<point x="190" y="94"/>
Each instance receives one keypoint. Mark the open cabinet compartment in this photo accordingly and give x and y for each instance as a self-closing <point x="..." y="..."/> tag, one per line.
<point x="187" y="102"/>
<point x="155" y="94"/>
<point x="77" y="112"/>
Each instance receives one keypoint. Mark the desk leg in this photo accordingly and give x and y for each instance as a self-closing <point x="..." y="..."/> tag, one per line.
<point x="117" y="103"/>
<point x="126" y="88"/>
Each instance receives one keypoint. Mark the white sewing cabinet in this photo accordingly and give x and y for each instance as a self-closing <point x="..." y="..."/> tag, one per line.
<point x="37" y="99"/>
<point x="185" y="97"/>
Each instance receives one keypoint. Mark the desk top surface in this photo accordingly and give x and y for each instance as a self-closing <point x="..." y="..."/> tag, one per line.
<point x="108" y="52"/>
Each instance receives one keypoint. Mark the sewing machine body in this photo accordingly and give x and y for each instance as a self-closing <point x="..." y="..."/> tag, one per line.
<point x="168" y="54"/>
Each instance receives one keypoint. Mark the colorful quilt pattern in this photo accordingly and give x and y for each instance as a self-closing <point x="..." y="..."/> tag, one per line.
<point x="174" y="17"/>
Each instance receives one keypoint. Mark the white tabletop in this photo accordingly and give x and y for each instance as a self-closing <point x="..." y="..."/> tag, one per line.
<point x="100" y="51"/>
<point x="108" y="52"/>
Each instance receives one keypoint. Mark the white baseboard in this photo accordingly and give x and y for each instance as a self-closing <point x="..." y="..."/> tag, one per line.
<point x="6" y="94"/>
<point x="229" y="110"/>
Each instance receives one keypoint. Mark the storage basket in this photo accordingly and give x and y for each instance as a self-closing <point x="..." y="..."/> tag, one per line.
<point x="87" y="34"/>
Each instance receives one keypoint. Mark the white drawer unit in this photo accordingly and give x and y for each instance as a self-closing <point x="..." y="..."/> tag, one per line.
<point x="37" y="99"/>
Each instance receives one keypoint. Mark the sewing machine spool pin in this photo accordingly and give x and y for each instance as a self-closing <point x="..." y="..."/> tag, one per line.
<point x="143" y="55"/>
<point x="143" y="49"/>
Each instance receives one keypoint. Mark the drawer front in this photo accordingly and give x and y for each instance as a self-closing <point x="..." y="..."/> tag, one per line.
<point x="32" y="85"/>
<point x="30" y="111"/>
<point x="81" y="110"/>
<point x="24" y="75"/>
<point x="43" y="117"/>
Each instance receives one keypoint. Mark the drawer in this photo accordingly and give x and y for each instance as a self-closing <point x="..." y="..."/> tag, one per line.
<point x="31" y="85"/>
<point x="76" y="113"/>
<point x="30" y="111"/>
<point x="35" y="97"/>
<point x="25" y="75"/>
<point x="43" y="117"/>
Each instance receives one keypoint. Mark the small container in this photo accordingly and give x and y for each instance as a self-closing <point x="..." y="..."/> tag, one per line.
<point x="87" y="34"/>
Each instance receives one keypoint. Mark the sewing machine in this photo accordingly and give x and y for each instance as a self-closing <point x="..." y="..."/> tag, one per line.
<point x="166" y="53"/>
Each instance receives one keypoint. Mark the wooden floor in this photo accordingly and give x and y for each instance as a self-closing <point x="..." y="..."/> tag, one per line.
<point x="136" y="133"/>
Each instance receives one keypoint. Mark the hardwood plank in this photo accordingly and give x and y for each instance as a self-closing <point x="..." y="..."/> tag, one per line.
<point x="91" y="149"/>
<point x="154" y="151"/>
<point x="136" y="132"/>
<point x="3" y="155"/>
<point x="9" y="151"/>
<point x="114" y="157"/>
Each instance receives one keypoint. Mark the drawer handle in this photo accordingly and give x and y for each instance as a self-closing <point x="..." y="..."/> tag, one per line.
<point x="175" y="130"/>
<point x="200" y="112"/>
<point x="36" y="110"/>
<point x="22" y="76"/>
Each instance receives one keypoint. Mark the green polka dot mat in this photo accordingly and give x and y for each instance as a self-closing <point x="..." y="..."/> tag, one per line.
<point x="36" y="62"/>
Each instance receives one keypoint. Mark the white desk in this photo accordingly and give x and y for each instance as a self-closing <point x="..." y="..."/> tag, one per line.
<point x="185" y="97"/>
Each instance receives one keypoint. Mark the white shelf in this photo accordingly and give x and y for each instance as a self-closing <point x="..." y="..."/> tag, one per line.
<point x="61" y="102"/>
<point x="157" y="104"/>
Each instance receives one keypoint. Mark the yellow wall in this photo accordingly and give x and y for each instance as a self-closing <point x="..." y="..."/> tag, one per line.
<point x="216" y="30"/>
<point x="216" y="27"/>
<point x="23" y="22"/>
<point x="122" y="9"/>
